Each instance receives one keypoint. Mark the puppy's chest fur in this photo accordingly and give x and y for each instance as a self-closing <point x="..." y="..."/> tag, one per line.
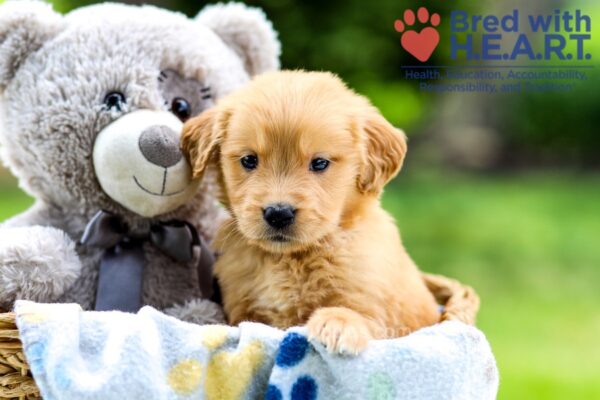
<point x="281" y="290"/>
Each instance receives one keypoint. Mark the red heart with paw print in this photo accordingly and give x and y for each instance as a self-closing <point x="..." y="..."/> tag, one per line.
<point x="420" y="44"/>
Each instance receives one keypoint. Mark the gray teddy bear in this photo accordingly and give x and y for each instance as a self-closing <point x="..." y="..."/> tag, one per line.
<point x="92" y="104"/>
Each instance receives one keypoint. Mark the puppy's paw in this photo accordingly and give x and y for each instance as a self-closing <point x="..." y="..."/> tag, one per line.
<point x="340" y="329"/>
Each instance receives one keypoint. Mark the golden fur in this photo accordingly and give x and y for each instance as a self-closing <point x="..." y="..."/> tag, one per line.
<point x="343" y="270"/>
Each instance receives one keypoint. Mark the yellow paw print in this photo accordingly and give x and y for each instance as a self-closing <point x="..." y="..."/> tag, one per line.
<point x="228" y="373"/>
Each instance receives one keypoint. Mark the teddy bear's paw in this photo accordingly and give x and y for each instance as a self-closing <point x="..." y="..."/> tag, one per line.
<point x="340" y="329"/>
<point x="198" y="311"/>
<point x="36" y="263"/>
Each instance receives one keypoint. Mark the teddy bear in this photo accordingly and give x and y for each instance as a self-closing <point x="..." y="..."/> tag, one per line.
<point x="92" y="105"/>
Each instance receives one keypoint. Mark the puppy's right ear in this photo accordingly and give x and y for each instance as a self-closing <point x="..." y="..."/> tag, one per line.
<point x="201" y="138"/>
<point x="385" y="148"/>
<point x="24" y="28"/>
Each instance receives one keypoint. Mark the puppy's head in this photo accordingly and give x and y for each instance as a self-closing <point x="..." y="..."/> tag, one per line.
<point x="299" y="153"/>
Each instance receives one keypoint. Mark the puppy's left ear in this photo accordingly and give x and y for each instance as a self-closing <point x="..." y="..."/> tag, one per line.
<point x="384" y="151"/>
<point x="201" y="138"/>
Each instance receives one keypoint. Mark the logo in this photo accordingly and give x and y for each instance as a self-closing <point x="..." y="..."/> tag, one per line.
<point x="507" y="52"/>
<point x="420" y="44"/>
<point x="559" y="35"/>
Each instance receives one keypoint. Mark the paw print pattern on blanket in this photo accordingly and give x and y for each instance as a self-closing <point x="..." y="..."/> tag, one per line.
<point x="185" y="377"/>
<point x="381" y="387"/>
<point x="305" y="388"/>
<point x="248" y="362"/>
<point x="229" y="373"/>
<point x="292" y="350"/>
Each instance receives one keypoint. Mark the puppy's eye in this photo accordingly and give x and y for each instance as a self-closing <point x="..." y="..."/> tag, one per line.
<point x="319" y="164"/>
<point x="181" y="108"/>
<point x="249" y="162"/>
<point x="114" y="100"/>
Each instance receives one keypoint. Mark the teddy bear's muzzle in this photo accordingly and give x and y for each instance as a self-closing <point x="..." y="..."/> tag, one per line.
<point x="139" y="163"/>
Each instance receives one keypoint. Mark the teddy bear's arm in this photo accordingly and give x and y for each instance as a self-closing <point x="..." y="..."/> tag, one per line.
<point x="198" y="311"/>
<point x="36" y="262"/>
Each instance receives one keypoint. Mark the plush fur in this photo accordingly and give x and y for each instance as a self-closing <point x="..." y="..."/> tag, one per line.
<point x="341" y="267"/>
<point x="38" y="261"/>
<point x="197" y="311"/>
<point x="55" y="72"/>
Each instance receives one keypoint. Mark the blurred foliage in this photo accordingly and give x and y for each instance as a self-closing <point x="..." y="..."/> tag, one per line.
<point x="558" y="128"/>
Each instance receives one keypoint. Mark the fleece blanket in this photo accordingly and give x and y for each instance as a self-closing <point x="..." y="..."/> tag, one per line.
<point x="112" y="355"/>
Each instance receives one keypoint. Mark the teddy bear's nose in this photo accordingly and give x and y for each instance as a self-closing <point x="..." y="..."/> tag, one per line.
<point x="160" y="145"/>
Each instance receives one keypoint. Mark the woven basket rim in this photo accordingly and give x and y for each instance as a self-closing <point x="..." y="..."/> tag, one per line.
<point x="460" y="301"/>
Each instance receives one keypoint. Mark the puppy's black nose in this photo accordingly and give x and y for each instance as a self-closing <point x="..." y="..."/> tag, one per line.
<point x="279" y="215"/>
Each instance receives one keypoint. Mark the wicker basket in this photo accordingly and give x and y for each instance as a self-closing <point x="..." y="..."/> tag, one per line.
<point x="15" y="379"/>
<point x="461" y="304"/>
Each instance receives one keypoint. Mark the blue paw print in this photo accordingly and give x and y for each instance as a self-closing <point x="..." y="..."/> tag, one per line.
<point x="273" y="393"/>
<point x="292" y="350"/>
<point x="305" y="388"/>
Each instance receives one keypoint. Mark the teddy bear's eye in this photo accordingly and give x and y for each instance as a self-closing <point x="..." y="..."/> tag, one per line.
<point x="181" y="108"/>
<point x="114" y="100"/>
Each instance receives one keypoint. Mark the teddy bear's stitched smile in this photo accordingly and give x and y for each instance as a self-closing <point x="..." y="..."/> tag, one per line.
<point x="162" y="194"/>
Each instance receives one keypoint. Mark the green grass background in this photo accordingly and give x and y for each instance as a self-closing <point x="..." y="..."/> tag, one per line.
<point x="530" y="246"/>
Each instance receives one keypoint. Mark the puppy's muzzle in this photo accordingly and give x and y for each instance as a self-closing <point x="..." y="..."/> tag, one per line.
<point x="279" y="216"/>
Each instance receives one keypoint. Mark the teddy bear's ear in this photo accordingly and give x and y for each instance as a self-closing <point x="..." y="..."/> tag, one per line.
<point x="247" y="31"/>
<point x="24" y="27"/>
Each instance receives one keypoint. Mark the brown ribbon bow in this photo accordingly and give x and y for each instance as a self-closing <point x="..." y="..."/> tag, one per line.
<point x="121" y="268"/>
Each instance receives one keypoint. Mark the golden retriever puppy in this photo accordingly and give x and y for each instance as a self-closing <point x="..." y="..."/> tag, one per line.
<point x="303" y="161"/>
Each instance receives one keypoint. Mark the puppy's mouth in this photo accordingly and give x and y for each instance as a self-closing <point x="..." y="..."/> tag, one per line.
<point x="279" y="238"/>
<point x="163" y="192"/>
